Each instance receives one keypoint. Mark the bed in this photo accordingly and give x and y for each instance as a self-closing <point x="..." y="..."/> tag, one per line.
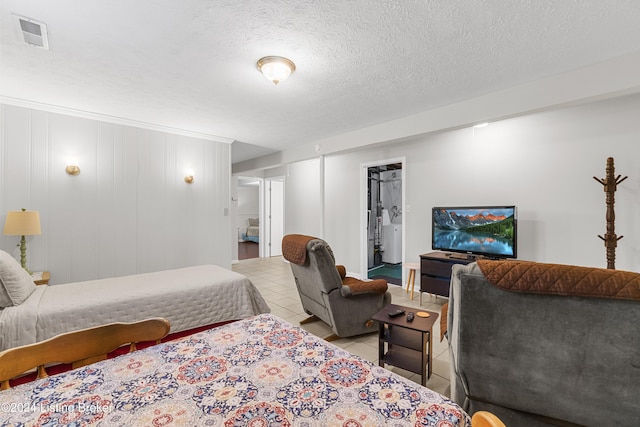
<point x="257" y="371"/>
<point x="189" y="298"/>
<point x="251" y="232"/>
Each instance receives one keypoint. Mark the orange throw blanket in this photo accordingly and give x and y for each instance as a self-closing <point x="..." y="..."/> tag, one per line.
<point x="379" y="286"/>
<point x="294" y="248"/>
<point x="558" y="279"/>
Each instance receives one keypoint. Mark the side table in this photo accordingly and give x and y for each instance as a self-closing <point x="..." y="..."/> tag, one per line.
<point x="41" y="278"/>
<point x="407" y="345"/>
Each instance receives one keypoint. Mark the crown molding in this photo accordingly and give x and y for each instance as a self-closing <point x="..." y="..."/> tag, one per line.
<point x="19" y="102"/>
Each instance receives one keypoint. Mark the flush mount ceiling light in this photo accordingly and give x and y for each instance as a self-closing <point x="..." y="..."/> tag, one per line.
<point x="276" y="68"/>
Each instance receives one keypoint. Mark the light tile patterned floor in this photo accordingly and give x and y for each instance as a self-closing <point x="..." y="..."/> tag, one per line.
<point x="273" y="277"/>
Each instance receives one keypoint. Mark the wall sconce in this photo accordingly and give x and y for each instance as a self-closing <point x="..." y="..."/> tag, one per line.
<point x="72" y="169"/>
<point x="188" y="178"/>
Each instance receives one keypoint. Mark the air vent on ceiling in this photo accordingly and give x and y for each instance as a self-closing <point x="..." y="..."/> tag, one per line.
<point x="32" y="32"/>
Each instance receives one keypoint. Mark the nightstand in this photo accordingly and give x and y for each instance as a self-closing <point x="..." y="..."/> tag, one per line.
<point x="409" y="345"/>
<point x="41" y="278"/>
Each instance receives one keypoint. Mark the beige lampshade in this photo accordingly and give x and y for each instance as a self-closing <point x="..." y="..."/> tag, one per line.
<point x="22" y="223"/>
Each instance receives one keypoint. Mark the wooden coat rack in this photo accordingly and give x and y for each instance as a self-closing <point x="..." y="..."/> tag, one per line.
<point x="610" y="239"/>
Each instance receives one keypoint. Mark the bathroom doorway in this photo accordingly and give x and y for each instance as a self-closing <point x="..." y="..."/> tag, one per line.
<point x="384" y="221"/>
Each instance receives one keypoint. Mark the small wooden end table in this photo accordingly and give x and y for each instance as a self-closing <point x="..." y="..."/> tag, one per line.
<point x="407" y="345"/>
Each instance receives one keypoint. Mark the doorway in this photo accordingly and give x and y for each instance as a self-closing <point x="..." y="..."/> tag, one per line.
<point x="274" y="214"/>
<point x="248" y="217"/>
<point x="384" y="225"/>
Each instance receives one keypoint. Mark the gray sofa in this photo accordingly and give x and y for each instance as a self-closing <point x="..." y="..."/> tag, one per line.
<point x="545" y="344"/>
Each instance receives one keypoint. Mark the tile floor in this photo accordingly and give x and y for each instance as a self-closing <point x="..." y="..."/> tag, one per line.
<point x="273" y="277"/>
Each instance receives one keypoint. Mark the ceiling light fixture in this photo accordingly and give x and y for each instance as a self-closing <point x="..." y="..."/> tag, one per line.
<point x="276" y="68"/>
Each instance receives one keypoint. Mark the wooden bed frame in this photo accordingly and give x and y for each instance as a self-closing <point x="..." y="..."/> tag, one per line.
<point x="79" y="348"/>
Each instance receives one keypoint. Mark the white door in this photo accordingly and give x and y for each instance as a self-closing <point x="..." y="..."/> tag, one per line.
<point x="275" y="216"/>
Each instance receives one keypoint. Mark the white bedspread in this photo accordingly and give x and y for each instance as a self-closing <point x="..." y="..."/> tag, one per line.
<point x="188" y="297"/>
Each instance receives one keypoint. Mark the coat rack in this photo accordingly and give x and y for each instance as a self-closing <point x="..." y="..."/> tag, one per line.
<point x="610" y="239"/>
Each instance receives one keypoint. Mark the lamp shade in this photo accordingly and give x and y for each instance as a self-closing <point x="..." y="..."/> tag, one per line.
<point x="22" y="223"/>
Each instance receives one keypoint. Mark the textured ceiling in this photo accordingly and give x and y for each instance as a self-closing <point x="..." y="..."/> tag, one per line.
<point x="190" y="64"/>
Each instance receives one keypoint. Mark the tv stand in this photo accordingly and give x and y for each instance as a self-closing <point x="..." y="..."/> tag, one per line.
<point x="435" y="271"/>
<point x="463" y="256"/>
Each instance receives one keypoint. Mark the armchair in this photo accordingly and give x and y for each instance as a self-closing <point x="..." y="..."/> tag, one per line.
<point x="344" y="303"/>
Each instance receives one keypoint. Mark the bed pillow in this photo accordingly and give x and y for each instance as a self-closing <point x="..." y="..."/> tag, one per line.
<point x="15" y="283"/>
<point x="254" y="222"/>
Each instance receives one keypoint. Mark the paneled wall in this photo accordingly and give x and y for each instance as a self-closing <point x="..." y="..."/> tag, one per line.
<point x="129" y="211"/>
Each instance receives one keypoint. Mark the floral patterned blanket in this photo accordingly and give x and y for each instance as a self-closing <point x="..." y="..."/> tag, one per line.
<point x="260" y="371"/>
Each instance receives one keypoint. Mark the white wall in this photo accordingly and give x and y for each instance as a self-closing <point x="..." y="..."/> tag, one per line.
<point x="129" y="211"/>
<point x="303" y="198"/>
<point x="544" y="163"/>
<point x="391" y="193"/>
<point x="248" y="200"/>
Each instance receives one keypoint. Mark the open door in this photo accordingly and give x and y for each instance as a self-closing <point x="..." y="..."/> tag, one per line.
<point x="274" y="224"/>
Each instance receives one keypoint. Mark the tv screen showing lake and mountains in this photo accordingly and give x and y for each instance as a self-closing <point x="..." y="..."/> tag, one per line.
<point x="487" y="231"/>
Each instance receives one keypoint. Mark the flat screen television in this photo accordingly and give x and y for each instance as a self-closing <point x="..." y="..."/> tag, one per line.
<point x="489" y="231"/>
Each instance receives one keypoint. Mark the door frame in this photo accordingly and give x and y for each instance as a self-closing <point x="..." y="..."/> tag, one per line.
<point x="235" y="223"/>
<point x="364" y="168"/>
<point x="268" y="226"/>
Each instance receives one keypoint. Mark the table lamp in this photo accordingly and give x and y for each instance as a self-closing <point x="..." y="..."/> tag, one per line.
<point x="22" y="223"/>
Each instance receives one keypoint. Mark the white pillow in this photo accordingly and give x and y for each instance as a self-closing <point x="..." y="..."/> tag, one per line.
<point x="15" y="283"/>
